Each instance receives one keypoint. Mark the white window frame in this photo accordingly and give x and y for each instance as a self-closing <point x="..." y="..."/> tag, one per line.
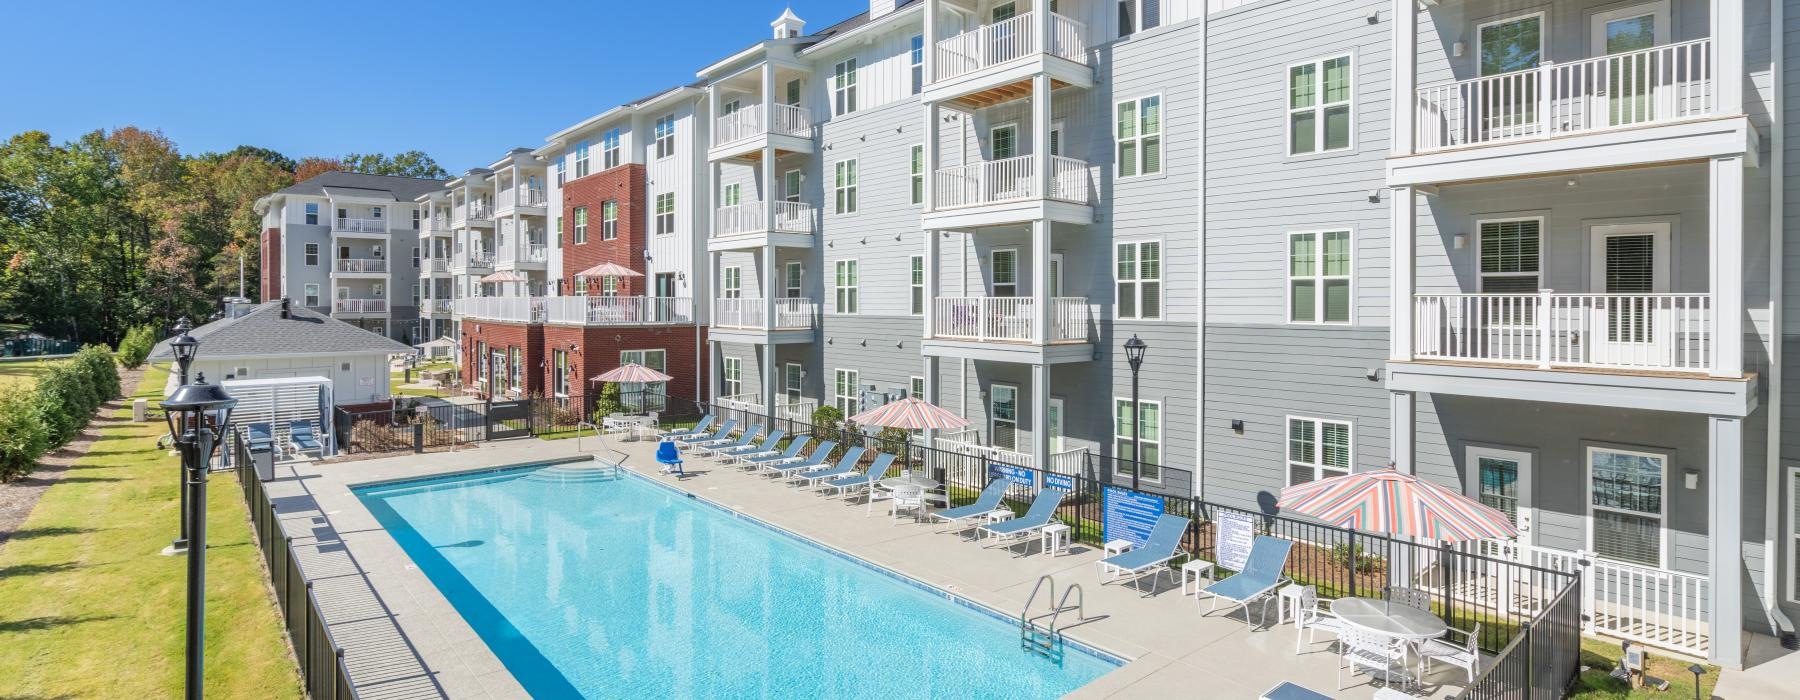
<point x="916" y="62"/>
<point x="793" y="279"/>
<point x="665" y="137"/>
<point x="1139" y="137"/>
<point x="916" y="277"/>
<point x="665" y="212"/>
<point x="375" y="212"/>
<point x="1481" y="277"/>
<point x="561" y="172"/>
<point x="915" y="387"/>
<point x="733" y="195"/>
<point x="311" y="215"/>
<point x="609" y="286"/>
<point x="609" y="220"/>
<point x="1137" y="281"/>
<point x="581" y="225"/>
<point x="994" y="140"/>
<point x="609" y="149"/>
<point x="1318" y="464"/>
<point x="1662" y="515"/>
<point x="415" y="257"/>
<point x="559" y="372"/>
<point x="842" y="293"/>
<point x="1318" y="277"/>
<point x="1543" y="38"/>
<point x="310" y="294"/>
<point x="1135" y="23"/>
<point x="1137" y="452"/>
<point x="731" y="283"/>
<point x="994" y="272"/>
<point x="791" y="182"/>
<point x="843" y="87"/>
<point x="310" y="254"/>
<point x="417" y="219"/>
<point x="843" y="186"/>
<point x="793" y="380"/>
<point x="916" y="166"/>
<point x="1318" y="107"/>
<point x="731" y="376"/>
<point x="846" y="402"/>
<point x="993" y="416"/>
<point x="583" y="164"/>
<point x="660" y="389"/>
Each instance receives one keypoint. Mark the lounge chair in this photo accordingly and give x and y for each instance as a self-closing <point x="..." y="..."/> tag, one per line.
<point x="852" y="485"/>
<point x="1164" y="544"/>
<point x="1258" y="580"/>
<point x="767" y="447"/>
<point x="302" y="440"/>
<point x="845" y="465"/>
<point x="987" y="502"/>
<point x="1042" y="510"/>
<point x="764" y="460"/>
<point x="700" y="427"/>
<point x="692" y="439"/>
<point x="716" y="445"/>
<point x="259" y="436"/>
<point x="814" y="461"/>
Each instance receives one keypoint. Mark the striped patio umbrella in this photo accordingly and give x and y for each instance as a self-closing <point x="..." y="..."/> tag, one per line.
<point x="609" y="270"/>
<point x="503" y="276"/>
<point x="1398" y="504"/>
<point x="910" y="413"/>
<point x="632" y="372"/>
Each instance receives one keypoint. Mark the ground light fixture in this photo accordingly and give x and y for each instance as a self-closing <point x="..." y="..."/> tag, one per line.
<point x="184" y="347"/>
<point x="1134" y="355"/>
<point x="199" y="414"/>
<point x="1696" y="669"/>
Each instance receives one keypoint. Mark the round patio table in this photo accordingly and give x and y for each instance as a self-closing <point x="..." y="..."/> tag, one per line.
<point x="919" y="481"/>
<point x="1399" y="621"/>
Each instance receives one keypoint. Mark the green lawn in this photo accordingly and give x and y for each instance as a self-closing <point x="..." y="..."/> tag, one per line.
<point x="23" y="373"/>
<point x="1602" y="655"/>
<point x="88" y="608"/>
<point x="395" y="379"/>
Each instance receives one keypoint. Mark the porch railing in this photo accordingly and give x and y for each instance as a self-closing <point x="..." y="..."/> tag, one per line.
<point x="435" y="264"/>
<point x="790" y="120"/>
<point x="362" y="265"/>
<point x="747" y="312"/>
<point x="351" y="225"/>
<point x="1007" y="319"/>
<point x="359" y="306"/>
<point x="1007" y="180"/>
<point x="536" y="252"/>
<point x="749" y="217"/>
<point x="522" y="197"/>
<point x="619" y="311"/>
<point x="510" y="308"/>
<point x="1670" y="332"/>
<point x="990" y="45"/>
<point x="1658" y="84"/>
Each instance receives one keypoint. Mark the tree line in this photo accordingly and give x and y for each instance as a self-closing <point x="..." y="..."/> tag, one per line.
<point x="119" y="228"/>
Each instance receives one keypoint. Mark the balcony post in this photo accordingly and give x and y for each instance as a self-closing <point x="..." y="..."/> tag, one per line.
<point x="929" y="64"/>
<point x="1400" y="416"/>
<point x="1040" y="416"/>
<point x="1727" y="24"/>
<point x="930" y="292"/>
<point x="1726" y="212"/>
<point x="715" y="370"/>
<point x="769" y="276"/>
<point x="1406" y="38"/>
<point x="712" y="113"/>
<point x="1040" y="282"/>
<point x="1541" y="317"/>
<point x="769" y="391"/>
<point x="933" y="395"/>
<point x="1400" y="343"/>
<point x="1042" y="26"/>
<point x="1724" y="487"/>
<point x="1040" y="132"/>
<point x="932" y="138"/>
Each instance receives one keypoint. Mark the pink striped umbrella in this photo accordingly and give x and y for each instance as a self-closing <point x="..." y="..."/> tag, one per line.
<point x="1387" y="501"/>
<point x="911" y="413"/>
<point x="632" y="372"/>
<point x="608" y="269"/>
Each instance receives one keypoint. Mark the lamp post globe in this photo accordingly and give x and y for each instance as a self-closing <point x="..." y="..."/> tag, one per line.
<point x="1134" y="355"/>
<point x="199" y="414"/>
<point x="185" y="346"/>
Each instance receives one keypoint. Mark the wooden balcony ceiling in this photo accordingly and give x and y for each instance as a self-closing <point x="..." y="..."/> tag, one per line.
<point x="1003" y="93"/>
<point x="755" y="155"/>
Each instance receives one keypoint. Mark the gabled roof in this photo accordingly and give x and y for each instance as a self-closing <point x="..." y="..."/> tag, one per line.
<point x="403" y="189"/>
<point x="263" y="331"/>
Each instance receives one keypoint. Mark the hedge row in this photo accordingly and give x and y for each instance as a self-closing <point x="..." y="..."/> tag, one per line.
<point x="52" y="412"/>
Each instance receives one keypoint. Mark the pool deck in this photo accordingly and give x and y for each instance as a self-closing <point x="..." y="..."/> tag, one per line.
<point x="403" y="639"/>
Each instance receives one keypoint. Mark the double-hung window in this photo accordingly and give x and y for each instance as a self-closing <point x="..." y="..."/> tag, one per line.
<point x="1625" y="491"/>
<point x="515" y="363"/>
<point x="844" y="282"/>
<point x="733" y="285"/>
<point x="1319" y="269"/>
<point x="1317" y="449"/>
<point x="1138" y="133"/>
<point x="580" y="225"/>
<point x="559" y="374"/>
<point x="792" y="275"/>
<point x="609" y="286"/>
<point x="917" y="59"/>
<point x="652" y="396"/>
<point x="312" y="295"/>
<point x="582" y="163"/>
<point x="1319" y="118"/>
<point x="609" y="220"/>
<point x="1003" y="416"/>
<point x="1004" y="140"/>
<point x="844" y="185"/>
<point x="848" y="390"/>
<point x="1141" y="448"/>
<point x="1005" y="269"/>
<point x="733" y="376"/>
<point x="416" y="219"/>
<point x="918" y="285"/>
<point x="843" y="88"/>
<point x="734" y="195"/>
<point x="918" y="174"/>
<point x="415" y="257"/>
<point x="561" y="173"/>
<point x="312" y="254"/>
<point x="312" y="213"/>
<point x="1138" y="15"/>
<point x="665" y="137"/>
<point x="1510" y="251"/>
<point x="609" y="149"/>
<point x="665" y="212"/>
<point x="1138" y="274"/>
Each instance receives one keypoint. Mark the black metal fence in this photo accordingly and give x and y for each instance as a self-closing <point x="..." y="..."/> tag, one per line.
<point x="1541" y="659"/>
<point x="321" y="660"/>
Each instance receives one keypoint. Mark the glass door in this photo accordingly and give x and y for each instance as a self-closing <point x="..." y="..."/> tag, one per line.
<point x="1510" y="51"/>
<point x="1630" y="265"/>
<point x="1631" y="73"/>
<point x="1003" y="416"/>
<point x="1502" y="480"/>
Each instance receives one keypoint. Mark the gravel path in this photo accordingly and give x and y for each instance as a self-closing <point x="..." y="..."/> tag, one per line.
<point x="18" y="497"/>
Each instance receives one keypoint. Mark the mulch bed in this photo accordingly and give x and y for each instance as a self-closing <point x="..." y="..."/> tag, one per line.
<point x="18" y="497"/>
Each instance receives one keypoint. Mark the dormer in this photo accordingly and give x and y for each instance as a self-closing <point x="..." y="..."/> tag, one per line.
<point x="877" y="8"/>
<point x="789" y="25"/>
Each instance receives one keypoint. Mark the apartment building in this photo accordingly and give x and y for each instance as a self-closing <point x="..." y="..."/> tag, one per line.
<point x="349" y="245"/>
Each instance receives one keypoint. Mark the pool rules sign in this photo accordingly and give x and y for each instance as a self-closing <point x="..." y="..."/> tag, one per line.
<point x="1129" y="515"/>
<point x="1236" y="533"/>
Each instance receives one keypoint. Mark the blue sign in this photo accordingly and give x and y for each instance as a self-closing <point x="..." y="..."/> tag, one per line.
<point x="1129" y="515"/>
<point x="1020" y="476"/>
<point x="1060" y="481"/>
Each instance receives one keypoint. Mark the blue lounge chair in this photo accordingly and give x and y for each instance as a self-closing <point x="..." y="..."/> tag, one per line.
<point x="259" y="436"/>
<point x="852" y="485"/>
<point x="1164" y="544"/>
<point x="700" y="427"/>
<point x="845" y="465"/>
<point x="812" y="462"/>
<point x="692" y="439"/>
<point x="713" y="446"/>
<point x="670" y="458"/>
<point x="302" y="440"/>
<point x="1043" y="508"/>
<point x="764" y="460"/>
<point x="987" y="502"/>
<point x="767" y="447"/>
<point x="1258" y="580"/>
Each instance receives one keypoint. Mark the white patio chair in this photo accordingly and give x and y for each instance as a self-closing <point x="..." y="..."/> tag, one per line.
<point x="1409" y="597"/>
<point x="1466" y="656"/>
<point x="1313" y="617"/>
<point x="1371" y="652"/>
<point x="906" y="498"/>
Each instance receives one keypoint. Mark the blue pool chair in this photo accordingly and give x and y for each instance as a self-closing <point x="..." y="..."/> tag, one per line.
<point x="1258" y="580"/>
<point x="716" y="445"/>
<point x="768" y="460"/>
<point x="1164" y="544"/>
<point x="746" y="451"/>
<point x="1043" y="508"/>
<point x="302" y="440"/>
<point x="691" y="439"/>
<point x="987" y="502"/>
<point x="259" y="436"/>
<point x="852" y="485"/>
<point x="814" y="461"/>
<point x="700" y="427"/>
<point x="846" y="465"/>
<point x="670" y="458"/>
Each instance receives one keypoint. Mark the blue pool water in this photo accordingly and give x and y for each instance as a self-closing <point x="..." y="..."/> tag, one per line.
<point x="587" y="586"/>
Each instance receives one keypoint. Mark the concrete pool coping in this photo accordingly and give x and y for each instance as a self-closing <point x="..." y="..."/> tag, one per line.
<point x="403" y="638"/>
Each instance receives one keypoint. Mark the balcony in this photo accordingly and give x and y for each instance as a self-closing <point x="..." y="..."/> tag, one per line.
<point x="431" y="307"/>
<point x="531" y="256"/>
<point x="514" y="309"/>
<point x="438" y="226"/>
<point x="747" y="225"/>
<point x="356" y="226"/>
<point x="473" y="261"/>
<point x="743" y="320"/>
<point x="359" y="306"/>
<point x="619" y="311"/>
<point x="472" y="214"/>
<point x="1004" y="329"/>
<point x="377" y="266"/>
<point x="990" y="192"/>
<point x="431" y="265"/>
<point x="520" y="197"/>
<point x="745" y="132"/>
<point x="982" y="66"/>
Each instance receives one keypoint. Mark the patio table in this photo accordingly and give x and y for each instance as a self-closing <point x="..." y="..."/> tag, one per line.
<point x="1398" y="621"/>
<point x="916" y="481"/>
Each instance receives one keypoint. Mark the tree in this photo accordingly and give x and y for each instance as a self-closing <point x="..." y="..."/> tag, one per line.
<point x="266" y="155"/>
<point x="313" y="166"/>
<point x="404" y="163"/>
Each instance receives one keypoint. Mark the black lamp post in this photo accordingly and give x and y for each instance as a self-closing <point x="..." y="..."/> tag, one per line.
<point x="1134" y="354"/>
<point x="184" y="347"/>
<point x="1696" y="669"/>
<point x="198" y="416"/>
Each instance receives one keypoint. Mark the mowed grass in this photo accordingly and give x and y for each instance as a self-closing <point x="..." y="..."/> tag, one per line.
<point x="395" y="379"/>
<point x="88" y="608"/>
<point x="21" y="374"/>
<point x="1602" y="655"/>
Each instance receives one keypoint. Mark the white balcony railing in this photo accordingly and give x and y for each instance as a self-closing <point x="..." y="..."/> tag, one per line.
<point x="435" y="264"/>
<point x="509" y="308"/>
<point x="619" y="311"/>
<point x="1658" y="84"/>
<point x="359" y="306"/>
<point x="536" y="252"/>
<point x="790" y="120"/>
<point x="993" y="44"/>
<point x="361" y="265"/>
<point x="748" y="217"/>
<point x="1668" y="332"/>
<point x="747" y="312"/>
<point x="1007" y="319"/>
<point x="480" y="211"/>
<point x="440" y="225"/>
<point x="350" y="225"/>
<point x="1007" y="180"/>
<point x="441" y="306"/>
<point x="478" y="258"/>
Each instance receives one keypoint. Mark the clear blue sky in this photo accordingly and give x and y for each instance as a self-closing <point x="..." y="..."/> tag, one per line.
<point x="462" y="81"/>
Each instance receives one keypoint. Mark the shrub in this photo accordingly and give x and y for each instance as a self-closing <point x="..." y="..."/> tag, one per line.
<point x="61" y="402"/>
<point x="100" y="367"/>
<point x="608" y="403"/>
<point x="1352" y="557"/>
<point x="23" y="437"/>
<point x="371" y="436"/>
<point x="136" y="346"/>
<point x="827" y="418"/>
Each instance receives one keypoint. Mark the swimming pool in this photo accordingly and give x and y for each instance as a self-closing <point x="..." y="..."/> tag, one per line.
<point x="589" y="583"/>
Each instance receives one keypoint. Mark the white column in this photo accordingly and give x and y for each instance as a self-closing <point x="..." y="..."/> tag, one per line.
<point x="933" y="122"/>
<point x="1400" y="337"/>
<point x="714" y="377"/>
<point x="1401" y="437"/>
<point x="1725" y="486"/>
<point x="1040" y="282"/>
<point x="770" y="391"/>
<point x="1040" y="416"/>
<point x="768" y="151"/>
<point x="769" y="279"/>
<point x="712" y="112"/>
<point x="1406" y="52"/>
<point x="933" y="395"/>
<point x="931" y="284"/>
<point x="929" y="65"/>
<point x="1040" y="131"/>
<point x="1725" y="213"/>
<point x="1727" y="24"/>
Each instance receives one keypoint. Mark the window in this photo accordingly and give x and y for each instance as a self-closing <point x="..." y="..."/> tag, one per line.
<point x="312" y="213"/>
<point x="416" y="219"/>
<point x="312" y="295"/>
<point x="1319" y="106"/>
<point x="609" y="220"/>
<point x="1138" y="273"/>
<point x="653" y="396"/>
<point x="793" y="91"/>
<point x="1317" y="449"/>
<point x="1625" y="490"/>
<point x="312" y="254"/>
<point x="580" y="225"/>
<point x="343" y="252"/>
<point x="1510" y="254"/>
<point x="790" y="186"/>
<point x="1003" y="416"/>
<point x="665" y="212"/>
<point x="561" y="176"/>
<point x="559" y="374"/>
<point x="415" y="257"/>
<point x="844" y="281"/>
<point x="1138" y="15"/>
<point x="848" y="391"/>
<point x="791" y="280"/>
<point x="609" y="148"/>
<point x="733" y="376"/>
<point x="734" y="195"/>
<point x="1138" y="132"/>
<point x="843" y="88"/>
<point x="1511" y="44"/>
<point x="918" y="285"/>
<point x="582" y="164"/>
<point x="733" y="285"/>
<point x="515" y="363"/>
<point x="1319" y="277"/>
<point x="1004" y="263"/>
<point x="378" y="290"/>
<point x="609" y="286"/>
<point x="917" y="60"/>
<point x="794" y="375"/>
<point x="374" y="212"/>
<point x="665" y="136"/>
<point x="845" y="186"/>
<point x="342" y="214"/>
<point x="1141" y="448"/>
<point x="1004" y="141"/>
<point x="559" y="231"/>
<point x="918" y="174"/>
<point x="415" y="294"/>
<point x="916" y="385"/>
<point x="732" y="107"/>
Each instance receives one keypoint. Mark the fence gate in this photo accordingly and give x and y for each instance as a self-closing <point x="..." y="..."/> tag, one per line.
<point x="507" y="419"/>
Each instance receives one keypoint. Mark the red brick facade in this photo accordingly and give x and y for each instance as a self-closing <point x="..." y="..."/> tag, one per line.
<point x="503" y="338"/>
<point x="590" y="351"/>
<point x="271" y="265"/>
<point x="625" y="185"/>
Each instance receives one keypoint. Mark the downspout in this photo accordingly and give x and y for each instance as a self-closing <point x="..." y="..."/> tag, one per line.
<point x="1200" y="282"/>
<point x="1778" y="620"/>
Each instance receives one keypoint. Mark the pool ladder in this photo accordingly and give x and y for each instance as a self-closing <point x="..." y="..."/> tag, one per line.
<point x="1039" y="634"/>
